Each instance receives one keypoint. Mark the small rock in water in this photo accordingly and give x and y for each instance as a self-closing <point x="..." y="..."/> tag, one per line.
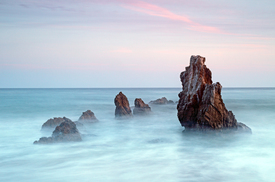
<point x="201" y="106"/>
<point x="161" y="101"/>
<point x="122" y="106"/>
<point x="65" y="132"/>
<point x="141" y="107"/>
<point x="87" y="117"/>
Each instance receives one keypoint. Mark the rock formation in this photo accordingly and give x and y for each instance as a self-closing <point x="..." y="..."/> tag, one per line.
<point x="122" y="106"/>
<point x="141" y="107"/>
<point x="65" y="132"/>
<point x="52" y="123"/>
<point x="161" y="101"/>
<point x="87" y="117"/>
<point x="201" y="106"/>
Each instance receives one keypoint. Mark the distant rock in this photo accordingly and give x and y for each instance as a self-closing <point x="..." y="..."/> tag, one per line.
<point x="201" y="106"/>
<point x="87" y="117"/>
<point x="52" y="123"/>
<point x="161" y="101"/>
<point x="141" y="107"/>
<point x="122" y="106"/>
<point x="65" y="132"/>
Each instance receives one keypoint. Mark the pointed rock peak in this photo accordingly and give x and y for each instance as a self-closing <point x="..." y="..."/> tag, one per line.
<point x="201" y="105"/>
<point x="122" y="105"/>
<point x="197" y="60"/>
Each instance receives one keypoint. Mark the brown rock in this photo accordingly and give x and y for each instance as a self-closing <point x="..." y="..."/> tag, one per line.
<point x="201" y="105"/>
<point x="87" y="117"/>
<point x="141" y="107"/>
<point x="65" y="132"/>
<point x="122" y="106"/>
<point x="161" y="101"/>
<point x="52" y="123"/>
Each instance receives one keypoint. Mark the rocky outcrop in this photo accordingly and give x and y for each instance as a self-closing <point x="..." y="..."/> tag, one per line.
<point x="122" y="106"/>
<point x="52" y="123"/>
<point x="161" y="101"/>
<point x="65" y="132"/>
<point x="87" y="117"/>
<point x="141" y="107"/>
<point x="201" y="106"/>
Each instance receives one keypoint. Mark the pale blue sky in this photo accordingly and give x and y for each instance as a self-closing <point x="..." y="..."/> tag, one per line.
<point x="127" y="43"/>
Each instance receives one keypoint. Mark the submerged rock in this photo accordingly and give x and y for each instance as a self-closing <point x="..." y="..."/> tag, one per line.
<point x="65" y="132"/>
<point x="161" y="101"/>
<point x="87" y="117"/>
<point x="201" y="106"/>
<point x="243" y="128"/>
<point x="141" y="107"/>
<point x="52" y="123"/>
<point x="122" y="106"/>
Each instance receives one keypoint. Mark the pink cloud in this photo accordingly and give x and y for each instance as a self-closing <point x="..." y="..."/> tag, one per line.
<point x="154" y="10"/>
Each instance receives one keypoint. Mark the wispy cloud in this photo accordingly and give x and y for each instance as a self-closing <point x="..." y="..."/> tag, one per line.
<point x="155" y="10"/>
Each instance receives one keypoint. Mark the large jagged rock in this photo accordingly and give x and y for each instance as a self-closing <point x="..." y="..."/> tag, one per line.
<point x="161" y="101"/>
<point x="52" y="123"/>
<point x="65" y="132"/>
<point x="87" y="117"/>
<point x="201" y="106"/>
<point x="122" y="106"/>
<point x="141" y="107"/>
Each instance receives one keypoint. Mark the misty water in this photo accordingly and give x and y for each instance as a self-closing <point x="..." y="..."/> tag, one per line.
<point x="149" y="148"/>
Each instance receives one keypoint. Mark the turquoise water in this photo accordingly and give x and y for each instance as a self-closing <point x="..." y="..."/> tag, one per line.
<point x="150" y="148"/>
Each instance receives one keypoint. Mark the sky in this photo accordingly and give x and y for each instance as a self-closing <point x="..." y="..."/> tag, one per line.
<point x="129" y="43"/>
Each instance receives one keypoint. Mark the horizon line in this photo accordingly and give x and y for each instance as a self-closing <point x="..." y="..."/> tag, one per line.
<point x="127" y="88"/>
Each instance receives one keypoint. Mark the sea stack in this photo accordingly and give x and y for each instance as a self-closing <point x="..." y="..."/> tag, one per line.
<point x="201" y="106"/>
<point x="140" y="107"/>
<point x="122" y="106"/>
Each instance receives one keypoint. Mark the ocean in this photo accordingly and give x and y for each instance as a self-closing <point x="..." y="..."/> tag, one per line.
<point x="149" y="148"/>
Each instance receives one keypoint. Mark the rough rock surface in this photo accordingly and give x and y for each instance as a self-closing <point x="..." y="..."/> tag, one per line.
<point x="141" y="107"/>
<point x="52" y="123"/>
<point x="87" y="117"/>
<point x="201" y="105"/>
<point x="65" y="132"/>
<point x="122" y="106"/>
<point x="161" y="101"/>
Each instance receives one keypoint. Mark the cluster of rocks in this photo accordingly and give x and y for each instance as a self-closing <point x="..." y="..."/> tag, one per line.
<point x="65" y="129"/>
<point x="201" y="106"/>
<point x="65" y="132"/>
<point x="123" y="108"/>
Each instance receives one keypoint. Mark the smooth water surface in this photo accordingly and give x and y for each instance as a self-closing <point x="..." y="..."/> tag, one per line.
<point x="149" y="148"/>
